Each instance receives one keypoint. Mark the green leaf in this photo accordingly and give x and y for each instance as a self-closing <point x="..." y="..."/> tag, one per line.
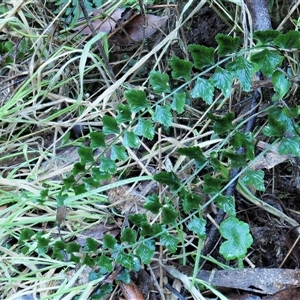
<point x="91" y="245"/>
<point x="109" y="242"/>
<point x="138" y="219"/>
<point x="73" y="247"/>
<point x="107" y="165"/>
<point x="290" y="146"/>
<point x="152" y="203"/>
<point x="281" y="84"/>
<point x="160" y="82"/>
<point x="94" y="276"/>
<point x="267" y="61"/>
<point x="145" y="128"/>
<point x="266" y="36"/>
<point x="69" y="181"/>
<point x="275" y="127"/>
<point x="150" y="230"/>
<point x="60" y="199"/>
<point x="136" y="267"/>
<point x="202" y="56"/>
<point x="285" y="116"/>
<point x="110" y="125"/>
<point x="130" y="140"/>
<point x="244" y="140"/>
<point x="198" y="225"/>
<point x="86" y="155"/>
<point x="169" y="215"/>
<point x="222" y="79"/>
<point x="103" y="290"/>
<point x="254" y="178"/>
<point x="26" y="234"/>
<point x="128" y="236"/>
<point x="25" y="250"/>
<point x="243" y="71"/>
<point x="218" y="166"/>
<point x="42" y="244"/>
<point x="222" y="124"/>
<point x="178" y="102"/>
<point x="180" y="68"/>
<point x="289" y="40"/>
<point x="124" y="113"/>
<point x="227" y="44"/>
<point x="226" y="203"/>
<point x="237" y="160"/>
<point x="124" y="275"/>
<point x="168" y="178"/>
<point x="118" y="152"/>
<point x="91" y="182"/>
<point x="99" y="175"/>
<point x="190" y="201"/>
<point x="78" y="168"/>
<point x="163" y="115"/>
<point x="75" y="259"/>
<point x="79" y="189"/>
<point x="238" y="238"/>
<point x="212" y="185"/>
<point x="58" y="248"/>
<point x="124" y="259"/>
<point x="203" y="89"/>
<point x="169" y="241"/>
<point x="44" y="194"/>
<point x="137" y="100"/>
<point x="105" y="263"/>
<point x="193" y="153"/>
<point x="88" y="261"/>
<point x="146" y="251"/>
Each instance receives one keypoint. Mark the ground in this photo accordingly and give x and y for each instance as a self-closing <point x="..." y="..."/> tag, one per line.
<point x="43" y="130"/>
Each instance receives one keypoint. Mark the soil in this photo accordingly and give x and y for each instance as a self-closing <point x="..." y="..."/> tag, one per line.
<point x="272" y="237"/>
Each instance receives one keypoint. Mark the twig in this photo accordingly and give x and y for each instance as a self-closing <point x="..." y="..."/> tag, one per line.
<point x="174" y="291"/>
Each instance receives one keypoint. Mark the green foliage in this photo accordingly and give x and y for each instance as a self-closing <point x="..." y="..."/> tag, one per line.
<point x="159" y="105"/>
<point x="267" y="60"/>
<point x="197" y="225"/>
<point x="202" y="56"/>
<point x="222" y="79"/>
<point x="255" y="179"/>
<point x="227" y="204"/>
<point x="243" y="71"/>
<point x="203" y="89"/>
<point x="160" y="82"/>
<point x="181" y="68"/>
<point x="227" y="44"/>
<point x="239" y="239"/>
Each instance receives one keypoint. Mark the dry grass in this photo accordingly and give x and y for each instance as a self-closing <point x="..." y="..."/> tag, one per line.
<point x="53" y="82"/>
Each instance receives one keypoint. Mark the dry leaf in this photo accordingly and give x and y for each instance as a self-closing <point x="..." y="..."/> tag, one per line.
<point x="137" y="28"/>
<point x="271" y="159"/>
<point x="106" y="25"/>
<point x="61" y="213"/>
<point x="125" y="26"/>
<point x="130" y="291"/>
